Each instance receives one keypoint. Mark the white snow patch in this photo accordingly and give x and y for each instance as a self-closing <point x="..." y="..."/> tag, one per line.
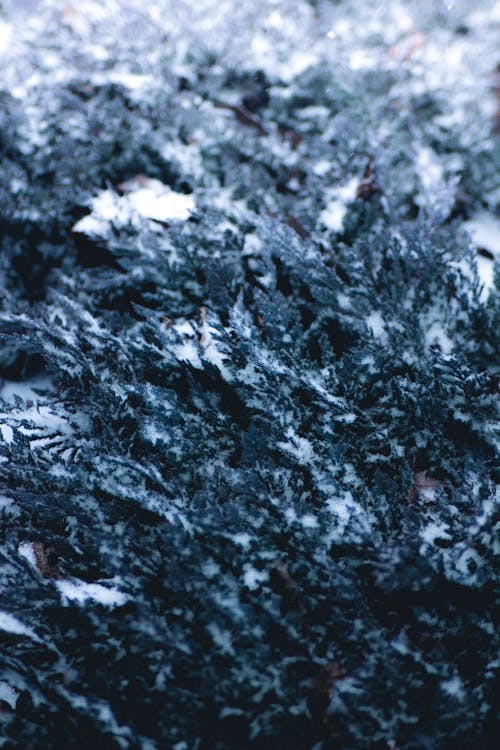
<point x="132" y="81"/>
<point x="241" y="538"/>
<point x="185" y="328"/>
<point x="484" y="230"/>
<point x="252" y="244"/>
<point x="5" y="36"/>
<point x="188" y="155"/>
<point x="143" y="197"/>
<point x="160" y="203"/>
<point x="264" y="50"/>
<point x="42" y="416"/>
<point x="108" y="206"/>
<point x="11" y="624"/>
<point x="435" y="334"/>
<point x="346" y="509"/>
<point x="80" y="592"/>
<point x="43" y="425"/>
<point x="253" y="578"/>
<point x="485" y="269"/>
<point x="26" y="550"/>
<point x="221" y="637"/>
<point x="344" y="301"/>
<point x="152" y="434"/>
<point x="346" y="418"/>
<point x="376" y="324"/>
<point x="363" y="58"/>
<point x="427" y="494"/>
<point x="12" y="388"/>
<point x="266" y="280"/>
<point x="338" y="200"/>
<point x="469" y="557"/>
<point x="309" y="521"/>
<point x="187" y="352"/>
<point x="299" y="447"/>
<point x="453" y="687"/>
<point x="322" y="167"/>
<point x="92" y="226"/>
<point x="8" y="694"/>
<point x="210" y="569"/>
<point x="211" y="353"/>
<point x="435" y="531"/>
<point x="348" y="513"/>
<point x="7" y="433"/>
<point x="430" y="173"/>
<point x="5" y="502"/>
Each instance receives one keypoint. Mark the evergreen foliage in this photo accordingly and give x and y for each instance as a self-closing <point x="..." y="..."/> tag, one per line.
<point x="254" y="502"/>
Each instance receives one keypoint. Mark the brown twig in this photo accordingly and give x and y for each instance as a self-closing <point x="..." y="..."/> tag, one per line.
<point x="244" y="116"/>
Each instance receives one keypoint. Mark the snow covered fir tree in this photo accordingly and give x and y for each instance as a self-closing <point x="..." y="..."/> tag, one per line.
<point x="249" y="350"/>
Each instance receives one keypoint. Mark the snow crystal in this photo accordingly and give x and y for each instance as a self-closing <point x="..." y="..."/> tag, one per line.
<point x="80" y="591"/>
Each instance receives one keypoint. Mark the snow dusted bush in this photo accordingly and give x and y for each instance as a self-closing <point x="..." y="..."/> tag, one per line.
<point x="249" y="492"/>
